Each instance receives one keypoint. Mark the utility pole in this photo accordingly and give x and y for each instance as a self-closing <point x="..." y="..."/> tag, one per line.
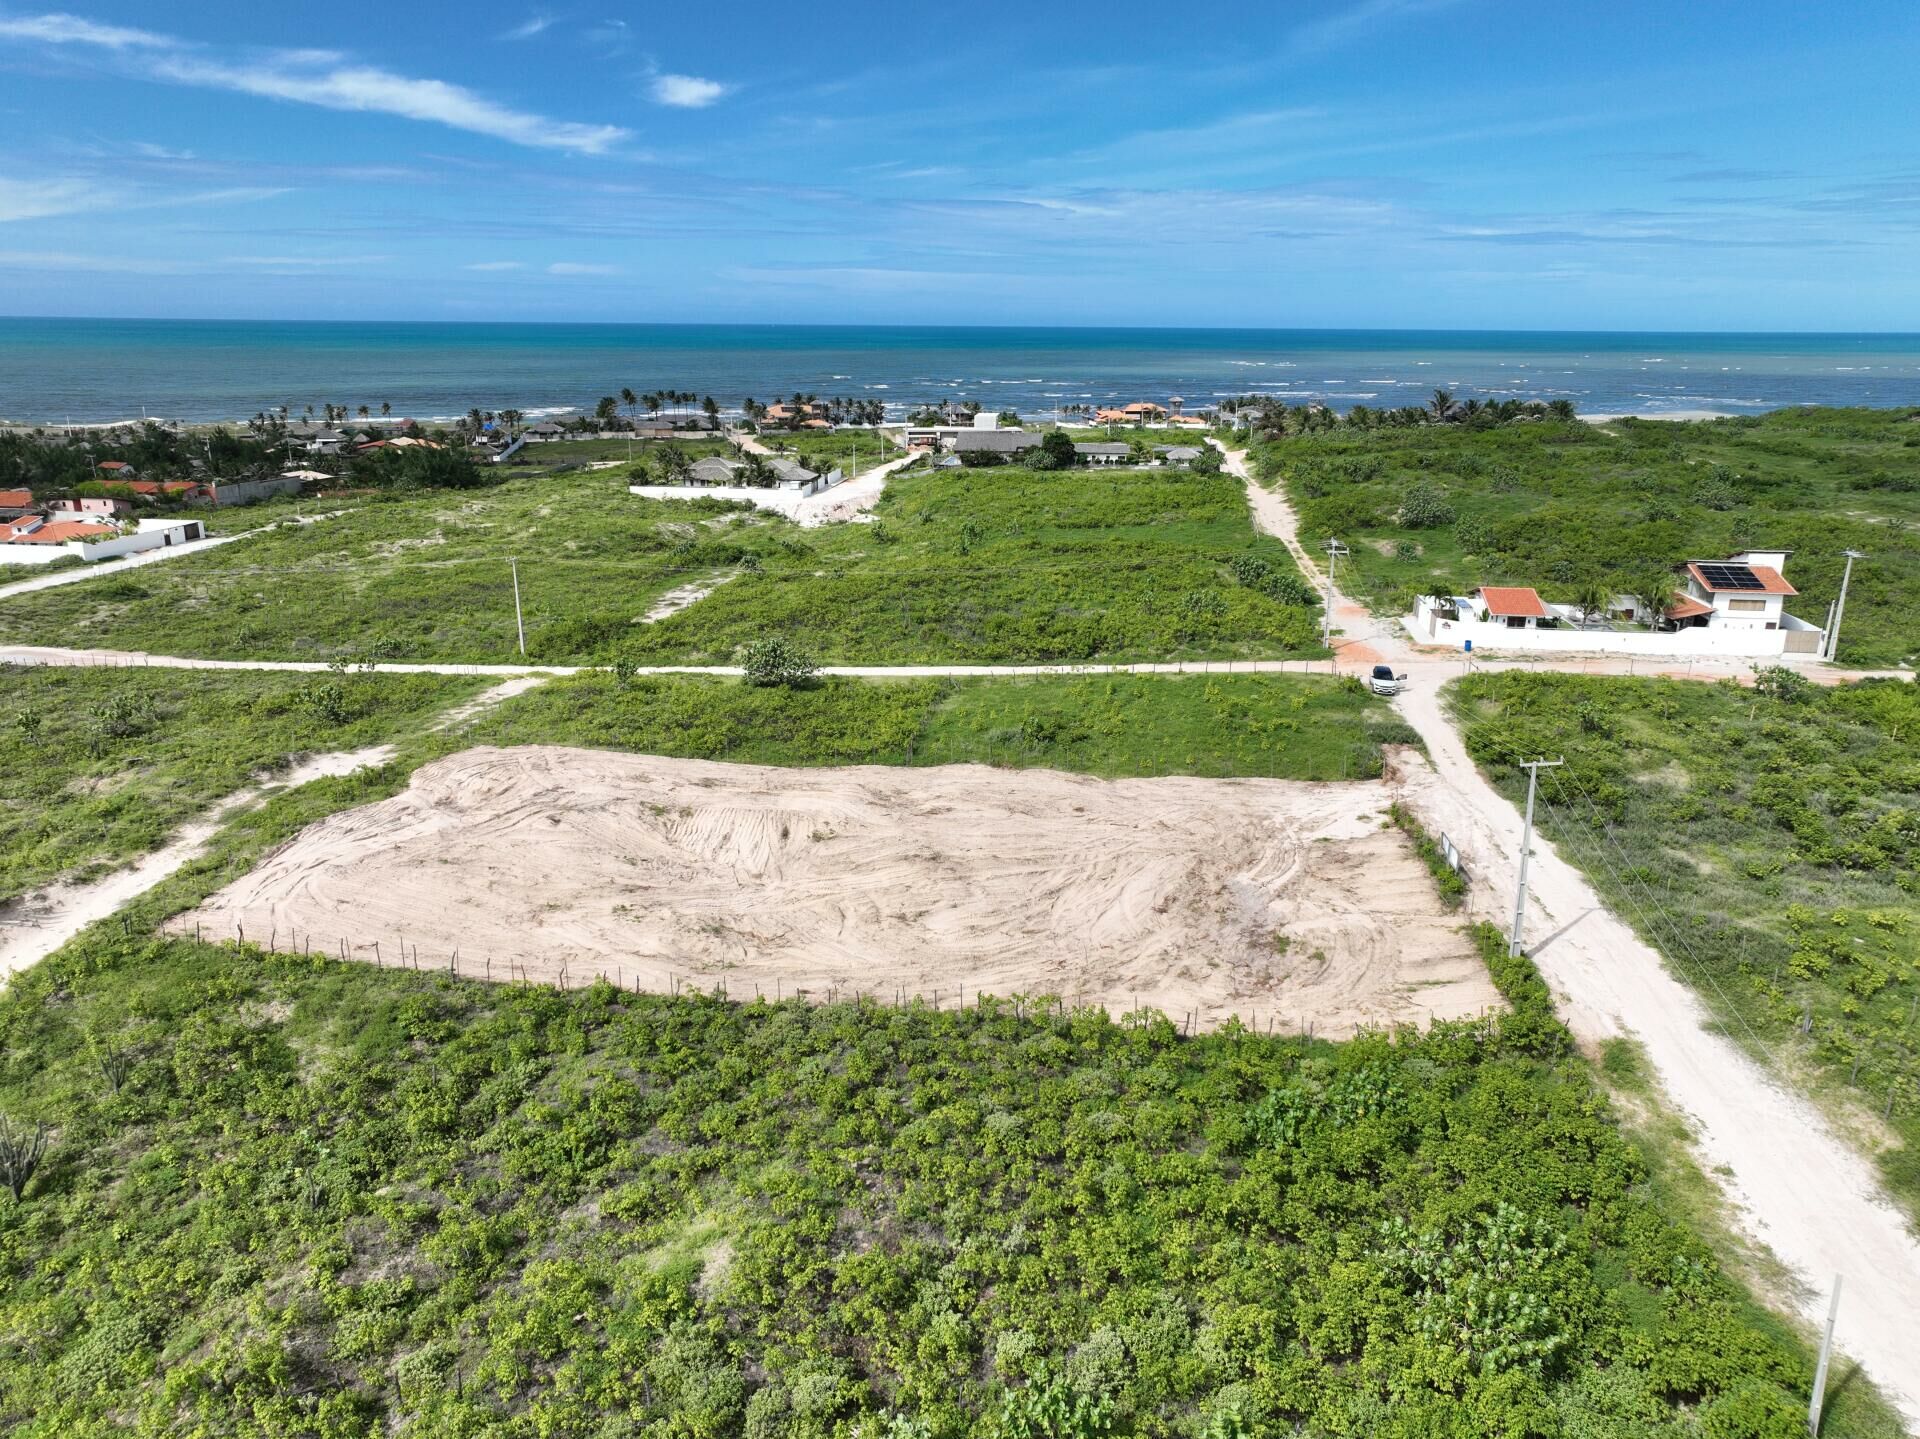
<point x="1533" y="768"/>
<point x="1819" y="1399"/>
<point x="1840" y="607"/>
<point x="1334" y="550"/>
<point x="521" y="625"/>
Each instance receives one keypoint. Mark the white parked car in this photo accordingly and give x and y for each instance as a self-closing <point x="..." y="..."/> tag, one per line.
<point x="1385" y="682"/>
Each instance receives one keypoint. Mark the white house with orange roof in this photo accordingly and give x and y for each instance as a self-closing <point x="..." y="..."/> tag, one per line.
<point x="1743" y="591"/>
<point x="1734" y="607"/>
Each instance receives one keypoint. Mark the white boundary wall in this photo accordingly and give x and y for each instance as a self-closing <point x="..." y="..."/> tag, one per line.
<point x="1427" y="628"/>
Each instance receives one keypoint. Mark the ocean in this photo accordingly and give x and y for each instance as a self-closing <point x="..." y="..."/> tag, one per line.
<point x="58" y="370"/>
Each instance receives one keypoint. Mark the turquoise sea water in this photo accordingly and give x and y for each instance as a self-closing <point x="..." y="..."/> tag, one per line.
<point x="55" y="370"/>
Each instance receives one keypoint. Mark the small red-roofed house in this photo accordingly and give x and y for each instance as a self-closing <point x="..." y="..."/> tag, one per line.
<point x="1515" y="606"/>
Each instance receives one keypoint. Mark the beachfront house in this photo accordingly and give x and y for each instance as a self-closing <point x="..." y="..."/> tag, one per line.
<point x="545" y="430"/>
<point x="1743" y="591"/>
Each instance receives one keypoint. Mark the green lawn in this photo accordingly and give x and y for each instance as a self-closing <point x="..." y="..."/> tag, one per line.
<point x="1554" y="505"/>
<point x="98" y="766"/>
<point x="1283" y="726"/>
<point x="1769" y="846"/>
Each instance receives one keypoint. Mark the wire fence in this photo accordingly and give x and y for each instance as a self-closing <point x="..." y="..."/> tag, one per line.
<point x="677" y="977"/>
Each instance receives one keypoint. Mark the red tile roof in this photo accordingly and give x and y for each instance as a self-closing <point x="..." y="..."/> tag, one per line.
<point x="61" y="531"/>
<point x="1513" y="602"/>
<point x="15" y="499"/>
<point x="115" y="465"/>
<point x="1771" y="582"/>
<point x="1685" y="607"/>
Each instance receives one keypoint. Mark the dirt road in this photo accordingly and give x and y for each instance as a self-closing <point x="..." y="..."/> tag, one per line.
<point x="1794" y="1186"/>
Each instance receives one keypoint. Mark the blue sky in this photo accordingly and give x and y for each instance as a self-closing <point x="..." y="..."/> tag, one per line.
<point x="1723" y="164"/>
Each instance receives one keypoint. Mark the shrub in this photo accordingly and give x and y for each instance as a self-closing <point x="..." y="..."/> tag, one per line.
<point x="1422" y="507"/>
<point x="776" y="660"/>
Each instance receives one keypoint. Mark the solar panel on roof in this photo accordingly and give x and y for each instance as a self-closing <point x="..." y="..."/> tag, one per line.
<point x="1731" y="577"/>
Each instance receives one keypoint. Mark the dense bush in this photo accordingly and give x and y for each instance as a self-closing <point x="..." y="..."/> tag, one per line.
<point x="1563" y="506"/>
<point x="1766" y="840"/>
<point x="334" y="1200"/>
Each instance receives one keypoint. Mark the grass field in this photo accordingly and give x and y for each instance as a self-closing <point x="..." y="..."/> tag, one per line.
<point x="1006" y="565"/>
<point x="1553" y="506"/>
<point x="98" y="766"/>
<point x="975" y="565"/>
<point x="851" y="451"/>
<point x="421" y="576"/>
<point x="1280" y="726"/>
<point x="1769" y="845"/>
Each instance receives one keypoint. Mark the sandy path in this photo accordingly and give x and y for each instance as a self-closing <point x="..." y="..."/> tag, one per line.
<point x="38" y="923"/>
<point x="565" y="864"/>
<point x="1795" y="1187"/>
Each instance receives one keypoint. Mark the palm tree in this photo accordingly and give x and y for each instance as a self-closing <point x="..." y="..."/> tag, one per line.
<point x="1561" y="409"/>
<point x="631" y="401"/>
<point x="385" y="409"/>
<point x="712" y="409"/>
<point x="652" y="402"/>
<point x="1441" y="405"/>
<point x="1654" y="591"/>
<point x="1592" y="599"/>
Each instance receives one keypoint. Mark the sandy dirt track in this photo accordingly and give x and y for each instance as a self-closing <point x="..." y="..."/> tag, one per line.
<point x="1159" y="892"/>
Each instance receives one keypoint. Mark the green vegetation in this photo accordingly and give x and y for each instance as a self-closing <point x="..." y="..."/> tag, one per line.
<point x="1448" y="880"/>
<point x="1281" y="726"/>
<point x="1768" y="842"/>
<point x="98" y="766"/>
<point x="286" y="1195"/>
<point x="990" y="566"/>
<point x="418" y="576"/>
<point x="1003" y="565"/>
<point x="839" y="450"/>
<point x="1568" y="506"/>
<point x="549" y="454"/>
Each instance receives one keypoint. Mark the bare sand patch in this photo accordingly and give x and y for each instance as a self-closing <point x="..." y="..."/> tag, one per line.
<point x="1272" y="900"/>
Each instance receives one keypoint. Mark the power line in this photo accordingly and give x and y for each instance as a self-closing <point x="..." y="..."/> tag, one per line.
<point x="1674" y="947"/>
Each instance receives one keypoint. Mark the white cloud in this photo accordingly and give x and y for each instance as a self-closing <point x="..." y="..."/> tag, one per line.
<point x="160" y="152"/>
<point x="306" y="262"/>
<point x="568" y="267"/>
<point x="529" y="28"/>
<point x="72" y="30"/>
<point x="318" y="77"/>
<point x="90" y="264"/>
<point x="1354" y="23"/>
<point x="363" y="88"/>
<point x="42" y="199"/>
<point x="486" y="267"/>
<point x="37" y="199"/>
<point x="688" y="92"/>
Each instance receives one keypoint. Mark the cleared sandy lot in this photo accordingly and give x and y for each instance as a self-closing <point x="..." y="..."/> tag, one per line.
<point x="1272" y="900"/>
